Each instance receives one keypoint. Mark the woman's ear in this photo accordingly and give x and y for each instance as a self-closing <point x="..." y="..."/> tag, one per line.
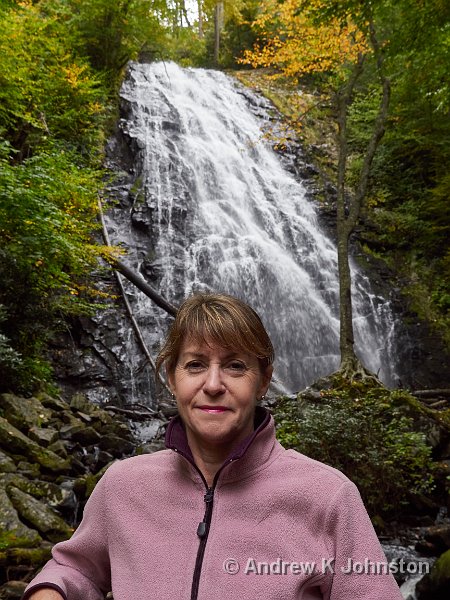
<point x="265" y="380"/>
<point x="170" y="376"/>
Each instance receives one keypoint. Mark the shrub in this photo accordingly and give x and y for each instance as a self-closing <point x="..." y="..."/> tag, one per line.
<point x="367" y="437"/>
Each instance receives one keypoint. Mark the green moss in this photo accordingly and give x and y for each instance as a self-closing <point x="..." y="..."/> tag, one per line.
<point x="8" y="539"/>
<point x="440" y="573"/>
<point x="35" y="557"/>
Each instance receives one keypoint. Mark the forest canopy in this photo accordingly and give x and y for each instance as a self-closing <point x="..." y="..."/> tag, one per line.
<point x="62" y="64"/>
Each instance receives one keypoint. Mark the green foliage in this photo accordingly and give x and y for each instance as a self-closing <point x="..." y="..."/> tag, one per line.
<point x="366" y="434"/>
<point x="47" y="214"/>
<point x="112" y="33"/>
<point x="186" y="48"/>
<point x="45" y="90"/>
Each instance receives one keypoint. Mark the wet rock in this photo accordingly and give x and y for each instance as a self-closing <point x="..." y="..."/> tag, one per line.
<point x="117" y="446"/>
<point x="67" y="432"/>
<point x="42" y="436"/>
<point x="43" y="518"/>
<point x="83" y="417"/>
<point x="24" y="413"/>
<point x="15" y="441"/>
<point x="436" y="584"/>
<point x="6" y="463"/>
<point x="85" y="485"/>
<point x="60" y="448"/>
<point x="86" y="436"/>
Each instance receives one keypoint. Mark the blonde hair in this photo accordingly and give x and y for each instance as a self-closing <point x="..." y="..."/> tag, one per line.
<point x="219" y="319"/>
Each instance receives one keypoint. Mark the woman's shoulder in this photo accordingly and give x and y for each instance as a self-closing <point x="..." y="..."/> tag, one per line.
<point x="137" y="466"/>
<point x="302" y="468"/>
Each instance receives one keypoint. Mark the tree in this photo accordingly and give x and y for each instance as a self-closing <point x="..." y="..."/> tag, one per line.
<point x="339" y="40"/>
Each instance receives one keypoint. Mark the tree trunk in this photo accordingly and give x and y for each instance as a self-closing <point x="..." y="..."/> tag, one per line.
<point x="184" y="11"/>
<point x="218" y="19"/>
<point x="348" y="213"/>
<point x="201" y="33"/>
<point x="346" y="336"/>
<point x="345" y="223"/>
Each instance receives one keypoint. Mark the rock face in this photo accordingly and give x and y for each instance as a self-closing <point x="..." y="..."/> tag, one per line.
<point x="52" y="453"/>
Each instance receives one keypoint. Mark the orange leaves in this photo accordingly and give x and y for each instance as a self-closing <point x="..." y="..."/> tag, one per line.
<point x="296" y="40"/>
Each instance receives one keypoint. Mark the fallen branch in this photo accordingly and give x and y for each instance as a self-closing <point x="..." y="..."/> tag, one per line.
<point x="431" y="393"/>
<point x="131" y="414"/>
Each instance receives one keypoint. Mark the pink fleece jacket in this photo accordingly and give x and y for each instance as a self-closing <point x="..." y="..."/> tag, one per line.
<point x="279" y="526"/>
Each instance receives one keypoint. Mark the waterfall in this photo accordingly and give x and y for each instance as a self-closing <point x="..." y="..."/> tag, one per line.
<point x="213" y="208"/>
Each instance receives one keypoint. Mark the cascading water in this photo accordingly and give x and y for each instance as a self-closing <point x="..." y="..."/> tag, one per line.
<point x="214" y="209"/>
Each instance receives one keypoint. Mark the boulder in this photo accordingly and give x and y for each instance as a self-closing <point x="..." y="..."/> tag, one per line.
<point x="29" y="469"/>
<point x="15" y="441"/>
<point x="13" y="533"/>
<point x="24" y="413"/>
<point x="117" y="446"/>
<point x="56" y="404"/>
<point x="59" y="447"/>
<point x="86" y="436"/>
<point x="54" y="495"/>
<point x="44" y="437"/>
<point x="79" y="402"/>
<point x="43" y="518"/>
<point x="439" y="536"/>
<point x="7" y="464"/>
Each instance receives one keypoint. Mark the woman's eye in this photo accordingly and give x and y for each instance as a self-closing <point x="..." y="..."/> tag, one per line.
<point x="237" y="366"/>
<point x="194" y="365"/>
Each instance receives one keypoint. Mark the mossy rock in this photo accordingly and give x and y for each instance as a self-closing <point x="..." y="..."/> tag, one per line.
<point x="15" y="441"/>
<point x="44" y="436"/>
<point x="33" y="557"/>
<point x="42" y="517"/>
<point x="54" y="403"/>
<point x="53" y="494"/>
<point x="7" y="464"/>
<point x="436" y="585"/>
<point x="14" y="533"/>
<point x="24" y="413"/>
<point x="84" y="486"/>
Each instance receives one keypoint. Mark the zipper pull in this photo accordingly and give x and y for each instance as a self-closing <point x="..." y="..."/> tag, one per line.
<point x="201" y="530"/>
<point x="208" y="497"/>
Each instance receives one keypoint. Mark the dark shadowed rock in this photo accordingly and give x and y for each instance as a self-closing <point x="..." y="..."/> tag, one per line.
<point x="436" y="584"/>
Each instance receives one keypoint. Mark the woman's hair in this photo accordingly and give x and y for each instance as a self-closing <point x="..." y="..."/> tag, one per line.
<point x="219" y="319"/>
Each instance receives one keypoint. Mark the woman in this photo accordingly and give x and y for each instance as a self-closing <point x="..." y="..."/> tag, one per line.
<point x="225" y="511"/>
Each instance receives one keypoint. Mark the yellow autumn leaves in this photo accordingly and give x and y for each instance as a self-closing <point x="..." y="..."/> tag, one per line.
<point x="296" y="42"/>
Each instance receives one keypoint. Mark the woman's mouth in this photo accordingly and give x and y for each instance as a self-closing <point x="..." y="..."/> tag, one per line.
<point x="214" y="409"/>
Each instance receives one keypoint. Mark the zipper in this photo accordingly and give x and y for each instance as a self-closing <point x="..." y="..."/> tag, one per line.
<point x="203" y="528"/>
<point x="202" y="532"/>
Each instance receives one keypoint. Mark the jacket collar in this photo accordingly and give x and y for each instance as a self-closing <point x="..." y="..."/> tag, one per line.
<point x="252" y="447"/>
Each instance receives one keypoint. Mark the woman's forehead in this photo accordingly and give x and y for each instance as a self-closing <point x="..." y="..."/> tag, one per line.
<point x="204" y="347"/>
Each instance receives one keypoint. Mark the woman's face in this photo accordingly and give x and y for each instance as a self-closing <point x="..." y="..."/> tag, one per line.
<point x="216" y="391"/>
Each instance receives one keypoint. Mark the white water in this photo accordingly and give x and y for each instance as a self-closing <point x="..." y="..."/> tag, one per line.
<point x="227" y="216"/>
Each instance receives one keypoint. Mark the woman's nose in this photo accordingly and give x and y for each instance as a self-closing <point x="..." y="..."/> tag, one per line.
<point x="213" y="384"/>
